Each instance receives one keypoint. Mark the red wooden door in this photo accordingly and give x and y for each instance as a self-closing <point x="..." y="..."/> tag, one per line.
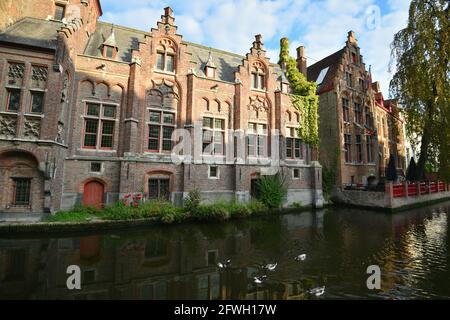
<point x="93" y="194"/>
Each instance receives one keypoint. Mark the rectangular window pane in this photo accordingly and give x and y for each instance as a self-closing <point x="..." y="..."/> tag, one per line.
<point x="93" y="109"/>
<point x="254" y="80"/>
<point x="107" y="134"/>
<point x="59" y="12"/>
<point x="167" y="132"/>
<point x="170" y="59"/>
<point x="109" y="52"/>
<point x="155" y="116"/>
<point x="251" y="150"/>
<point x="153" y="140"/>
<point x="261" y="81"/>
<point x="13" y="100"/>
<point x="153" y="188"/>
<point x="261" y="145"/>
<point x="289" y="147"/>
<point x="169" y="118"/>
<point x="219" y="124"/>
<point x="37" y="102"/>
<point x="108" y="127"/>
<point x="207" y="122"/>
<point x="109" y="111"/>
<point x="90" y="134"/>
<point x="164" y="192"/>
<point x="160" y="61"/>
<point x="22" y="191"/>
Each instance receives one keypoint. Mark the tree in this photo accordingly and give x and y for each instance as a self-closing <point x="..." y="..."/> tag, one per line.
<point x="411" y="172"/>
<point x="392" y="169"/>
<point x="421" y="81"/>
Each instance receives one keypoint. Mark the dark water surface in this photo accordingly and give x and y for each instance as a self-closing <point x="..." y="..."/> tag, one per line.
<point x="180" y="262"/>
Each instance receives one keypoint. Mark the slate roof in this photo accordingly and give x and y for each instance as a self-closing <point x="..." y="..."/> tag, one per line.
<point x="43" y="33"/>
<point x="33" y="32"/>
<point x="331" y="62"/>
<point x="126" y="40"/>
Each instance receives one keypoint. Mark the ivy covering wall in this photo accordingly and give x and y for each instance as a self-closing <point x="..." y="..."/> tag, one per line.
<point x="303" y="97"/>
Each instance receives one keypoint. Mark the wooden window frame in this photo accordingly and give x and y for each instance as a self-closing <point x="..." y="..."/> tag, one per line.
<point x="255" y="137"/>
<point x="100" y="118"/>
<point x="161" y="126"/>
<point x="214" y="130"/>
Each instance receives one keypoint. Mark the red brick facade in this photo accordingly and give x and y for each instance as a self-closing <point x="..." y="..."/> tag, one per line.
<point x="113" y="95"/>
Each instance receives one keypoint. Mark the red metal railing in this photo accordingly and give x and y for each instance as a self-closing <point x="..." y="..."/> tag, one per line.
<point x="418" y="188"/>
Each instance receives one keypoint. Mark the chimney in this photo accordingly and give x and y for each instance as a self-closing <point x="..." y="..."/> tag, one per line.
<point x="351" y="38"/>
<point x="168" y="18"/>
<point x="301" y="60"/>
<point x="258" y="44"/>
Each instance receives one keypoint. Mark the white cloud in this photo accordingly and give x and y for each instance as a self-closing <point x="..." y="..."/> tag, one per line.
<point x="320" y="25"/>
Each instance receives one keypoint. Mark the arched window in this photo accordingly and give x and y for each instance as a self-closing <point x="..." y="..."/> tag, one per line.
<point x="165" y="60"/>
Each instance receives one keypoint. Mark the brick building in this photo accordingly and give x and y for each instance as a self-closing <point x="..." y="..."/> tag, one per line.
<point x="88" y="110"/>
<point x="349" y="109"/>
<point x="390" y="125"/>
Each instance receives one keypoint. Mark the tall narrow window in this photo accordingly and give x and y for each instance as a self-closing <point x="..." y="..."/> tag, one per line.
<point x="165" y="59"/>
<point x="349" y="79"/>
<point x="358" y="113"/>
<point x="368" y="117"/>
<point x="258" y="79"/>
<point x="369" y="149"/>
<point x="293" y="144"/>
<point x="22" y="189"/>
<point x="348" y="147"/>
<point x="257" y="140"/>
<point x="109" y="52"/>
<point x="359" y="156"/>
<point x="213" y="136"/>
<point x="37" y="102"/>
<point x="13" y="100"/>
<point x="160" y="129"/>
<point x="346" y="109"/>
<point x="59" y="11"/>
<point x="99" y="126"/>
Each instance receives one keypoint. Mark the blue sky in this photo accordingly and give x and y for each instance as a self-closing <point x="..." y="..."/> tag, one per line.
<point x="320" y="25"/>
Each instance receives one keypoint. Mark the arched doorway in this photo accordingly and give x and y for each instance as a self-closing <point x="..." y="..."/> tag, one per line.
<point x="93" y="194"/>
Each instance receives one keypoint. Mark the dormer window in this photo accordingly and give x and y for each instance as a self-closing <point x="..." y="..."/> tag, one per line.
<point x="258" y="79"/>
<point x="110" y="48"/>
<point x="210" y="72"/>
<point x="210" y="67"/>
<point x="60" y="11"/>
<point x="165" y="59"/>
<point x="285" y="87"/>
<point x="108" y="52"/>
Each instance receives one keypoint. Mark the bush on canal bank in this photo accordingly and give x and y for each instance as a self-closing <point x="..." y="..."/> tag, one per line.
<point x="165" y="211"/>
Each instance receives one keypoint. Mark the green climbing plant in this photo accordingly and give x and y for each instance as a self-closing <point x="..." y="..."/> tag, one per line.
<point x="304" y="97"/>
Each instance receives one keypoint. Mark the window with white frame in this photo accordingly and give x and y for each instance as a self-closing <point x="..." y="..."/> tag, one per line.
<point x="293" y="144"/>
<point x="257" y="139"/>
<point x="213" y="136"/>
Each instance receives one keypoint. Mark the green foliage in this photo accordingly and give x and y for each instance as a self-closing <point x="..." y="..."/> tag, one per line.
<point x="165" y="211"/>
<point x="217" y="211"/>
<point x="193" y="200"/>
<point x="272" y="190"/>
<point x="328" y="181"/>
<point x="78" y="213"/>
<point x="421" y="80"/>
<point x="304" y="97"/>
<point x="297" y="205"/>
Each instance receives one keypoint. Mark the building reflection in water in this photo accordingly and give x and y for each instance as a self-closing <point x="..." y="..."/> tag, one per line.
<point x="180" y="262"/>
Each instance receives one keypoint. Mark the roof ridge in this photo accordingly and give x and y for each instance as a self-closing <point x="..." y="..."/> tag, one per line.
<point x="321" y="60"/>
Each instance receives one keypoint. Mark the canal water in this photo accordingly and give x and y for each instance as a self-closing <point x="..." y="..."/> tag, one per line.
<point x="180" y="262"/>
